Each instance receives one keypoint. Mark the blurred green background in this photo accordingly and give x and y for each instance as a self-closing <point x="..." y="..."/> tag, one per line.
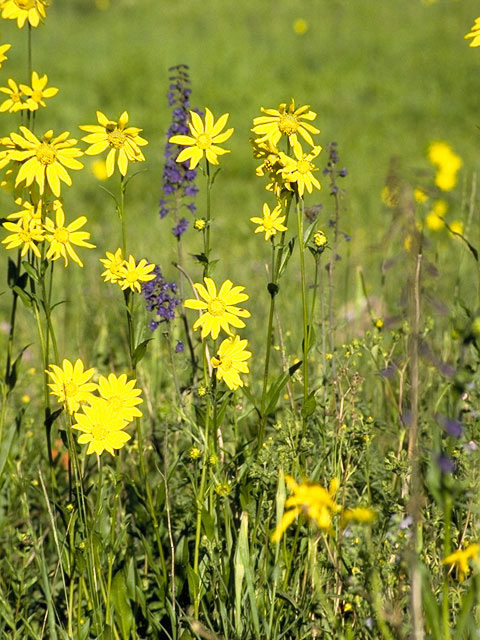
<point x="385" y="78"/>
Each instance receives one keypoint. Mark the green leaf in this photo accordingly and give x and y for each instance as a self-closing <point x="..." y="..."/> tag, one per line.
<point x="432" y="610"/>
<point x="11" y="380"/>
<point x="140" y="351"/>
<point x="5" y="446"/>
<point x="311" y="338"/>
<point x="121" y="604"/>
<point x="286" y="255"/>
<point x="25" y="297"/>
<point x="277" y="386"/>
<point x="308" y="233"/>
<point x="309" y="405"/>
<point x="208" y="524"/>
<point x="465" y="616"/>
<point x="32" y="272"/>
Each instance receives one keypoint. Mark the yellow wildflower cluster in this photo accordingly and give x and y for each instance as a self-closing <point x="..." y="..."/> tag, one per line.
<point x="318" y="505"/>
<point x="101" y="416"/>
<point x="291" y="171"/>
<point x="218" y="310"/>
<point x="447" y="163"/>
<point x="22" y="96"/>
<point x="23" y="11"/>
<point x="128" y="274"/>
<point x="31" y="226"/>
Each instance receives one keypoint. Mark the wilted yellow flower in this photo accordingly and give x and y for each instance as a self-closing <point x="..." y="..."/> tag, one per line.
<point x="204" y="139"/>
<point x="286" y="120"/>
<point x="70" y="383"/>
<point x="116" y="136"/>
<point x="311" y="499"/>
<point x="219" y="308"/>
<point x="131" y="274"/>
<point x="474" y="34"/>
<point x="102" y="427"/>
<point x="45" y="159"/>
<point x="271" y="222"/>
<point x="62" y="237"/>
<point x="299" y="170"/>
<point x="460" y="559"/>
<point x="112" y="263"/>
<point x="22" y="10"/>
<point x="38" y="91"/>
<point x="230" y="361"/>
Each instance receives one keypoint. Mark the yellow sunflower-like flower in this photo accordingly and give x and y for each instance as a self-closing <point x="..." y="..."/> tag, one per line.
<point x="62" y="237"/>
<point x="460" y="559"/>
<point x="38" y="91"/>
<point x="24" y="232"/>
<point x="46" y="159"/>
<point x="3" y="50"/>
<point x="219" y="308"/>
<point x="112" y="263"/>
<point x="204" y="139"/>
<point x="70" y="383"/>
<point x="230" y="361"/>
<point x="102" y="427"/>
<point x="311" y="499"/>
<point x="271" y="221"/>
<point x="22" y="10"/>
<point x="299" y="170"/>
<point x="14" y="101"/>
<point x="121" y="395"/>
<point x="131" y="274"/>
<point x="288" y="121"/>
<point x="29" y="211"/>
<point x="474" y="34"/>
<point x="116" y="136"/>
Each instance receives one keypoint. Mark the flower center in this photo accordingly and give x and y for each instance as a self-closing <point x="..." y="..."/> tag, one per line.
<point x="99" y="432"/>
<point x="70" y="388"/>
<point x="46" y="154"/>
<point x="115" y="402"/>
<point x="16" y="96"/>
<point x="25" y="4"/>
<point x="268" y="222"/>
<point x="37" y="95"/>
<point x="216" y="307"/>
<point x="25" y="236"/>
<point x="116" y="138"/>
<point x="61" y="235"/>
<point x="288" y="124"/>
<point x="303" y="166"/>
<point x="204" y="141"/>
<point x="131" y="276"/>
<point x="226" y="364"/>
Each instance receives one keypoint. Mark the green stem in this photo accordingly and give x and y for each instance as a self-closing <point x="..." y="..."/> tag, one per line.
<point x="112" y="532"/>
<point x="206" y="268"/>
<point x="300" y="205"/>
<point x="446" y="551"/>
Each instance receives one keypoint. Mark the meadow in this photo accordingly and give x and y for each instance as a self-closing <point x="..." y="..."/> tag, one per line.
<point x="239" y="320"/>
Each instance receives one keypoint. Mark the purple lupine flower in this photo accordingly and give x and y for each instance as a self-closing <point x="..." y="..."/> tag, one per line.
<point x="445" y="463"/>
<point x="179" y="347"/>
<point x="178" y="178"/>
<point x="453" y="427"/>
<point x="160" y="298"/>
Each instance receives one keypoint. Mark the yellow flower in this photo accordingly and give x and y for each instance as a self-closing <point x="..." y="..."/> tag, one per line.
<point x="131" y="274"/>
<point x="219" y="309"/>
<point x="204" y="138"/>
<point x="300" y="26"/>
<point x="433" y="221"/>
<point x="24" y="232"/>
<point x="420" y="195"/>
<point x="62" y="237"/>
<point x="45" y="159"/>
<point x="102" y="427"/>
<point x="200" y="224"/>
<point x="112" y="263"/>
<point x="286" y="121"/>
<point x="37" y="92"/>
<point x="194" y="453"/>
<point x="14" y="101"/>
<point x="447" y="162"/>
<point x="460" y="559"/>
<point x="71" y="384"/>
<point x="230" y="361"/>
<point x="116" y="136"/>
<point x="474" y="34"/>
<point x="23" y="10"/>
<point x="3" y="49"/>
<point x="29" y="211"/>
<point x="361" y="515"/>
<point x="300" y="170"/>
<point x="121" y="395"/>
<point x="99" y="169"/>
<point x="271" y="221"/>
<point x="456" y="226"/>
<point x="311" y="499"/>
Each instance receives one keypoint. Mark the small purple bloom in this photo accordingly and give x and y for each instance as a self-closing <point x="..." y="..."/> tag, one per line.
<point x="160" y="298"/>
<point x="445" y="463"/>
<point x="179" y="347"/>
<point x="180" y="228"/>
